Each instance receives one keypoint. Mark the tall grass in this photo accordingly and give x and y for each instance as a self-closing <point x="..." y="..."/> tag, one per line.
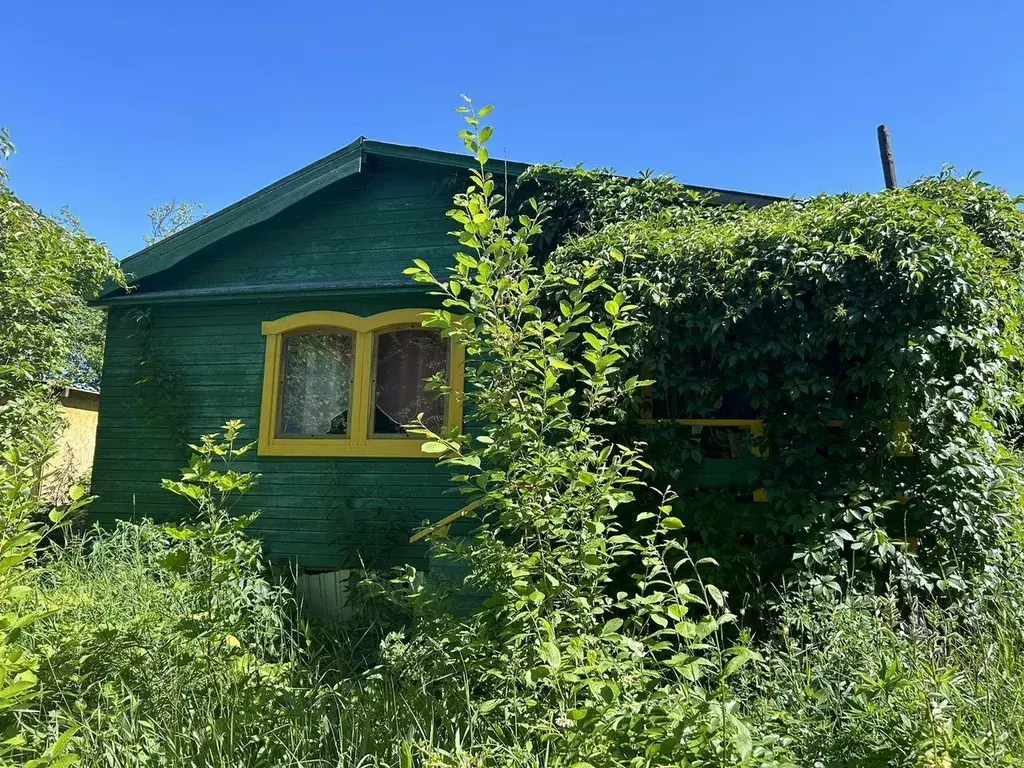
<point x="121" y="659"/>
<point x="867" y="682"/>
<point x="862" y="682"/>
<point x="856" y="683"/>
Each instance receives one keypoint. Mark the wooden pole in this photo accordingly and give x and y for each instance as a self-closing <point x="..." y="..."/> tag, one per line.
<point x="888" y="163"/>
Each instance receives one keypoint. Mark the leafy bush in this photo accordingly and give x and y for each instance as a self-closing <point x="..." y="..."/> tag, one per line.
<point x="48" y="334"/>
<point x="570" y="668"/>
<point x="175" y="645"/>
<point x="172" y="645"/>
<point x="860" y="328"/>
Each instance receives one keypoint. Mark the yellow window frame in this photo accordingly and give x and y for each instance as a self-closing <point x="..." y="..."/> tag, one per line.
<point x="359" y="442"/>
<point x="899" y="432"/>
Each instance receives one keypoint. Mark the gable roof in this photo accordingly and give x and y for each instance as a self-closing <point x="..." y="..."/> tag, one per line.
<point x="271" y="200"/>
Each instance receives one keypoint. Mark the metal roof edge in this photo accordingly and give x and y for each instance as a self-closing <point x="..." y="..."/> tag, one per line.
<point x="229" y="293"/>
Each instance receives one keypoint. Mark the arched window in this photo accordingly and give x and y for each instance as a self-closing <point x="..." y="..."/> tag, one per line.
<point x="337" y="384"/>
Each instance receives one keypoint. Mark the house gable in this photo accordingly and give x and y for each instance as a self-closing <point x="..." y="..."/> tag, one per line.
<point x="314" y="229"/>
<point x="357" y="233"/>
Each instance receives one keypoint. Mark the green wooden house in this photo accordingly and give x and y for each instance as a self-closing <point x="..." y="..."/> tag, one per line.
<point x="288" y="310"/>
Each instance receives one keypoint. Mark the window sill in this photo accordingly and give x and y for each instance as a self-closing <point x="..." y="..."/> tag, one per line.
<point x="396" y="448"/>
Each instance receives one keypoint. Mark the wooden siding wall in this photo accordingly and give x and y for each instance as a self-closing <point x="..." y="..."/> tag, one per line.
<point x="369" y="227"/>
<point x="323" y="513"/>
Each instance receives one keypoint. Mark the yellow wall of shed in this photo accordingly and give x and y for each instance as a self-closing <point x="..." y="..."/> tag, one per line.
<point x="76" y="445"/>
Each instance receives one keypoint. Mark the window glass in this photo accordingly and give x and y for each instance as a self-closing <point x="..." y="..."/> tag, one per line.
<point x="317" y="384"/>
<point x="404" y="360"/>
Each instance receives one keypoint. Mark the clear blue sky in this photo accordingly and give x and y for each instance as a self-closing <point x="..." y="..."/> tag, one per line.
<point x="118" y="106"/>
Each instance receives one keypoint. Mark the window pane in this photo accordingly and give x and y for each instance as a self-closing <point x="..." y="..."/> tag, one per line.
<point x="405" y="359"/>
<point x="317" y="385"/>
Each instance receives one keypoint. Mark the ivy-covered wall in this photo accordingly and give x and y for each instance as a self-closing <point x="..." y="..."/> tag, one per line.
<point x="877" y="336"/>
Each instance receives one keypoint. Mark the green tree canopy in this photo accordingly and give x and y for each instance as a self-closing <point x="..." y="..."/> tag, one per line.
<point x="48" y="333"/>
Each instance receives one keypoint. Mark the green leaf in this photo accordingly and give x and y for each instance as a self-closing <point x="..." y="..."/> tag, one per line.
<point x="57" y="515"/>
<point x="611" y="626"/>
<point x="716" y="594"/>
<point x="741" y="656"/>
<point x="179" y="533"/>
<point x="175" y="561"/>
<point x="550" y="654"/>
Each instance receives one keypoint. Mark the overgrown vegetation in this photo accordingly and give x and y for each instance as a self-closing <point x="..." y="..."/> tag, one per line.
<point x="861" y="329"/>
<point x="876" y="335"/>
<point x="48" y="334"/>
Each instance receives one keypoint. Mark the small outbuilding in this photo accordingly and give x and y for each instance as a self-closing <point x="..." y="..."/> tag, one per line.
<point x="288" y="310"/>
<point x="72" y="463"/>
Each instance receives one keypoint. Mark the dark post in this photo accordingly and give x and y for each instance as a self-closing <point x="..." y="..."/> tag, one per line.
<point x="888" y="163"/>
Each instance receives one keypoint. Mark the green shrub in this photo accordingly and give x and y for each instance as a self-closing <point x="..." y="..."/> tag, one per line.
<point x="836" y="320"/>
<point x="48" y="334"/>
<point x="177" y="645"/>
<point x="172" y="645"/>
<point x="567" y="667"/>
<point x="863" y="683"/>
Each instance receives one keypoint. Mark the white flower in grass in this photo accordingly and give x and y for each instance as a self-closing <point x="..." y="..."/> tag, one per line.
<point x="564" y="722"/>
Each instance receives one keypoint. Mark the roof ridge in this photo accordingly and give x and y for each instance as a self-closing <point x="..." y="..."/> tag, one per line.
<point x="296" y="186"/>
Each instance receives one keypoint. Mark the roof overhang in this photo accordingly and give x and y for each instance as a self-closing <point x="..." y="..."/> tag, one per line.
<point x="271" y="200"/>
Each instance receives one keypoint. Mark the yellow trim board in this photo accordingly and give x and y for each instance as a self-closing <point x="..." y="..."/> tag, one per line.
<point x="328" y="319"/>
<point x="899" y="436"/>
<point x="747" y="423"/>
<point x="442" y="525"/>
<point x="359" y="441"/>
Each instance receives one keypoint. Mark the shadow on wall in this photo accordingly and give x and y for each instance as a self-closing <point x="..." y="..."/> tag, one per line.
<point x="72" y="464"/>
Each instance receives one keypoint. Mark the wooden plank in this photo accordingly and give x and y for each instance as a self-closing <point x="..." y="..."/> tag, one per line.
<point x="441" y="526"/>
<point x="257" y="207"/>
<point x="327" y="595"/>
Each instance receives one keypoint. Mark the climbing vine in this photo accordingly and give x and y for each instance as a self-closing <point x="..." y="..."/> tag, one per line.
<point x="161" y="388"/>
<point x="878" y="338"/>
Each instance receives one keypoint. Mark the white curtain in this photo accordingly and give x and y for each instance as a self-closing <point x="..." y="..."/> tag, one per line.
<point x="316" y="391"/>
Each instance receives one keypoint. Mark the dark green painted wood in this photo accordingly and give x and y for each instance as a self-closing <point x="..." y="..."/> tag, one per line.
<point x="256" y="208"/>
<point x="322" y="513"/>
<point x="311" y="181"/>
<point x="371" y="229"/>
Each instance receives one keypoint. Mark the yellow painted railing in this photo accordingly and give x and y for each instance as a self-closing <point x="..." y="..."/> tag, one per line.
<point x="440" y="528"/>
<point x="900" y="438"/>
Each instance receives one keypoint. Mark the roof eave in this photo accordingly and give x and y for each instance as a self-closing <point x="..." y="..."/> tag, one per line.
<point x="345" y="162"/>
<point x="255" y="208"/>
